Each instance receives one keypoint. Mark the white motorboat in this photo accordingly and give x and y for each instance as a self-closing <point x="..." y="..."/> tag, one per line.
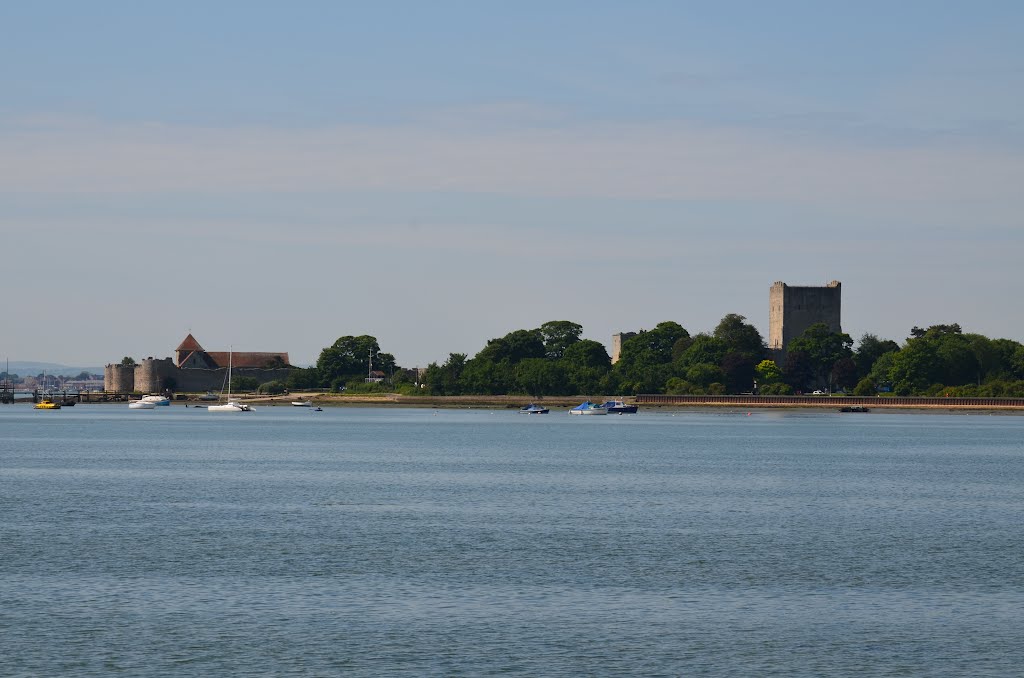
<point x="302" y="403"/>
<point x="141" y="405"/>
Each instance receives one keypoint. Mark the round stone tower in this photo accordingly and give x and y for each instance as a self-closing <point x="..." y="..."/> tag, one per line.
<point x="119" y="378"/>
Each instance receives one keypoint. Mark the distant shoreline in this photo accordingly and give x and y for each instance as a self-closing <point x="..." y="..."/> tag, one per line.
<point x="662" y="403"/>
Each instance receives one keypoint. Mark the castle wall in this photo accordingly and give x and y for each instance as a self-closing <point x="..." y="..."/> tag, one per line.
<point x="791" y="310"/>
<point x="195" y="380"/>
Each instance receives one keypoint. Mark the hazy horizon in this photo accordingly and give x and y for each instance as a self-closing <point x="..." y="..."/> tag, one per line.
<point x="438" y="175"/>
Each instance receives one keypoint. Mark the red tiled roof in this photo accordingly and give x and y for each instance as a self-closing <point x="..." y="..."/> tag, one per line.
<point x="245" y="359"/>
<point x="189" y="344"/>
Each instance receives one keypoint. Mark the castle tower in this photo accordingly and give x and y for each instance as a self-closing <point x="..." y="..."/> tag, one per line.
<point x="791" y="310"/>
<point x="617" y="340"/>
<point x="119" y="378"/>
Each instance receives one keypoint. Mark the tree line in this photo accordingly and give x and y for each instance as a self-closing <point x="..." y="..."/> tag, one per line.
<point x="553" y="359"/>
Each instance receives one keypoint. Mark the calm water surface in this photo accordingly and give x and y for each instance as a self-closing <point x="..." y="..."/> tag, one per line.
<point x="474" y="542"/>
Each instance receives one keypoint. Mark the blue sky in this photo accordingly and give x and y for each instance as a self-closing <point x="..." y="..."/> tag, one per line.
<point x="437" y="174"/>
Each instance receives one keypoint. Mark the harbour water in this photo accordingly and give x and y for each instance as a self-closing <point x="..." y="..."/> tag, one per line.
<point x="414" y="542"/>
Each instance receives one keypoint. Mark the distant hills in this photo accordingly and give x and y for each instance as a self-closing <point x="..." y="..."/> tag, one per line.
<point x="27" y="368"/>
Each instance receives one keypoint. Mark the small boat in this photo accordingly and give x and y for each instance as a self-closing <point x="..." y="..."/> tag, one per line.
<point x="157" y="400"/>
<point x="619" y="407"/>
<point x="47" y="404"/>
<point x="854" y="408"/>
<point x="533" y="409"/>
<point x="141" y="405"/>
<point x="318" y="409"/>
<point x="302" y="403"/>
<point x="209" y="395"/>
<point x="231" y="405"/>
<point x="587" y="407"/>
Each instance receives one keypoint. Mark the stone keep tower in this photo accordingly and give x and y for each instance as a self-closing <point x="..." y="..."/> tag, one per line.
<point x="791" y="310"/>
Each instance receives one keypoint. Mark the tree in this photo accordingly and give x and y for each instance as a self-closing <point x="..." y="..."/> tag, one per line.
<point x="768" y="372"/>
<point x="798" y="370"/>
<point x="485" y="377"/>
<point x="844" y="373"/>
<point x="738" y="369"/>
<point x="916" y="366"/>
<point x="348" y="358"/>
<point x="302" y="378"/>
<point x="446" y="379"/>
<point x="704" y="349"/>
<point x="586" y="364"/>
<point x="822" y="348"/>
<point x="513" y="347"/>
<point x="740" y="337"/>
<point x="558" y="335"/>
<point x="704" y="374"/>
<point x="865" y="387"/>
<point x="271" y="387"/>
<point x="540" y="377"/>
<point x="128" y="361"/>
<point x="869" y="349"/>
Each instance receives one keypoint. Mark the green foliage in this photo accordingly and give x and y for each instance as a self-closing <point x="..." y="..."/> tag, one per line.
<point x="822" y="349"/>
<point x="446" y="379"/>
<point x="348" y="358"/>
<point x="586" y="365"/>
<point x="865" y="387"/>
<point x="482" y="376"/>
<point x="128" y="361"/>
<point x="767" y="372"/>
<point x="677" y="386"/>
<point x="650" y="348"/>
<point x="275" y="387"/>
<point x="740" y="337"/>
<point x="703" y="349"/>
<point x="240" y="384"/>
<point x="558" y="335"/>
<point x="869" y="349"/>
<point x="303" y="378"/>
<point x="703" y="374"/>
<point x="778" y="388"/>
<point x="540" y="377"/>
<point x="513" y="347"/>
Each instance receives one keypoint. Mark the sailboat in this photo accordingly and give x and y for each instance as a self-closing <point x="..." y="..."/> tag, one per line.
<point x="231" y="405"/>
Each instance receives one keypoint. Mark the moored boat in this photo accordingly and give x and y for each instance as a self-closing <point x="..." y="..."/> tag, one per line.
<point x="533" y="408"/>
<point x="619" y="407"/>
<point x="157" y="400"/>
<point x="47" y="404"/>
<point x="141" y="405"/>
<point x="587" y="407"/>
<point x="231" y="405"/>
<point x="302" y="403"/>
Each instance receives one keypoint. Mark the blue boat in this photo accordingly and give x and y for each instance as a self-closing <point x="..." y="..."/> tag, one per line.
<point x="619" y="407"/>
<point x="533" y="409"/>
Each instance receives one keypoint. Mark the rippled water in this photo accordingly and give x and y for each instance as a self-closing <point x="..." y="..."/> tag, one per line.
<point x="473" y="542"/>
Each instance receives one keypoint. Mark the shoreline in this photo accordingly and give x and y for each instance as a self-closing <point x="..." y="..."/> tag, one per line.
<point x="661" y="403"/>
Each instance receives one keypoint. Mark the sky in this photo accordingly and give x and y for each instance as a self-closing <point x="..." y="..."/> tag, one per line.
<point x="272" y="176"/>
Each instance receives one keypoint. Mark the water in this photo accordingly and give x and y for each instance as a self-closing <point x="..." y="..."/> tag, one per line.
<point x="473" y="542"/>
